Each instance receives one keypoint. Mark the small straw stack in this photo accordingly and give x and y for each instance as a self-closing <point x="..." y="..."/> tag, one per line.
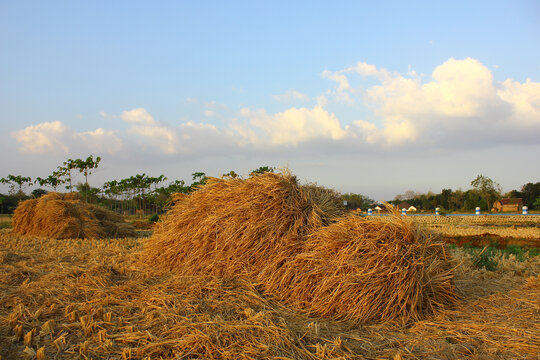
<point x="368" y="269"/>
<point x="63" y="216"/>
<point x="298" y="246"/>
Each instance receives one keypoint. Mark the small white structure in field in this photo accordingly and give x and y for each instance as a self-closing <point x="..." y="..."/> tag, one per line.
<point x="525" y="210"/>
<point x="412" y="208"/>
<point x="477" y="210"/>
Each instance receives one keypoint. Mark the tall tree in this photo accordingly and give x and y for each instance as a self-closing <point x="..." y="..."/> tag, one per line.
<point x="86" y="167"/>
<point x="530" y="193"/>
<point x="488" y="189"/>
<point x="65" y="171"/>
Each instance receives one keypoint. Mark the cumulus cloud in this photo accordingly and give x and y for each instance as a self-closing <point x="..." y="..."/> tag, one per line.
<point x="458" y="105"/>
<point x="57" y="138"/>
<point x="183" y="139"/>
<point x="291" y="95"/>
<point x="43" y="138"/>
<point x="100" y="140"/>
<point x="138" y="116"/>
<point x="158" y="136"/>
<point x="294" y="125"/>
<point x="461" y="103"/>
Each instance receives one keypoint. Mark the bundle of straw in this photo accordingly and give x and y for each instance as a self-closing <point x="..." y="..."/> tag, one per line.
<point x="235" y="226"/>
<point x="293" y="243"/>
<point x="63" y="216"/>
<point x="368" y="269"/>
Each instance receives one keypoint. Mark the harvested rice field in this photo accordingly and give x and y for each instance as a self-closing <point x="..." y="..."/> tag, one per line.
<point x="260" y="268"/>
<point x="91" y="299"/>
<point x="490" y="231"/>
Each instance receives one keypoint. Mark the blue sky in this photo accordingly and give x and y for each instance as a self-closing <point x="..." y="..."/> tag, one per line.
<point x="363" y="97"/>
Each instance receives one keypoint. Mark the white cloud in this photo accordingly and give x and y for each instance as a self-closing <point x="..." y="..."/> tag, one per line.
<point x="525" y="99"/>
<point x="293" y="125"/>
<point x="43" y="138"/>
<point x="106" y="115"/>
<point x="291" y="95"/>
<point x="58" y="138"/>
<point x="102" y="141"/>
<point x="152" y="136"/>
<point x="138" y="116"/>
<point x="461" y="103"/>
<point x="158" y="136"/>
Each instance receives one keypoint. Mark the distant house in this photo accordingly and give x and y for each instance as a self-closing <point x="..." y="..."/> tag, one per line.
<point x="381" y="208"/>
<point x="404" y="205"/>
<point x="508" y="204"/>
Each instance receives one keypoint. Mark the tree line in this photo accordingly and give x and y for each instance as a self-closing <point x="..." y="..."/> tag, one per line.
<point x="483" y="194"/>
<point x="140" y="193"/>
<point x="145" y="193"/>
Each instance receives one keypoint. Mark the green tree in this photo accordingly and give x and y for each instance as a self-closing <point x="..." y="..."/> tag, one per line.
<point x="53" y="180"/>
<point x="262" y="170"/>
<point x="17" y="183"/>
<point x="65" y="171"/>
<point x="86" y="167"/>
<point x="536" y="203"/>
<point x="36" y="193"/>
<point x="231" y="174"/>
<point x="357" y="201"/>
<point x="178" y="186"/>
<point x="530" y="192"/>
<point x="89" y="193"/>
<point x="199" y="179"/>
<point x="488" y="189"/>
<point x="471" y="200"/>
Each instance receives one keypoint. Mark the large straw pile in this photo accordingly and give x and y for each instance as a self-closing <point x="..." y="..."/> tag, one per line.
<point x="291" y="241"/>
<point x="64" y="216"/>
<point x="231" y="227"/>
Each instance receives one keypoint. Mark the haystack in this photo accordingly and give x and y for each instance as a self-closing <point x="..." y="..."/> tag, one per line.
<point x="368" y="269"/>
<point x="64" y="216"/>
<point x="298" y="246"/>
<point x="235" y="226"/>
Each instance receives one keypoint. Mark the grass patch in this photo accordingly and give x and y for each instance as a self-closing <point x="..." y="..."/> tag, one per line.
<point x="486" y="259"/>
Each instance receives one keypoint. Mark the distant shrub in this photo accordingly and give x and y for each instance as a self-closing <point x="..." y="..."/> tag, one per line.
<point x="154" y="218"/>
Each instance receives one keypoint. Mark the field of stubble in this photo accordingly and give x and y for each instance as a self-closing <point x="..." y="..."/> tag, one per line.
<point x="92" y="299"/>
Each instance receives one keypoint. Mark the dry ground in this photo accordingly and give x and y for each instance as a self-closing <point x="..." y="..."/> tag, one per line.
<point x="91" y="299"/>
